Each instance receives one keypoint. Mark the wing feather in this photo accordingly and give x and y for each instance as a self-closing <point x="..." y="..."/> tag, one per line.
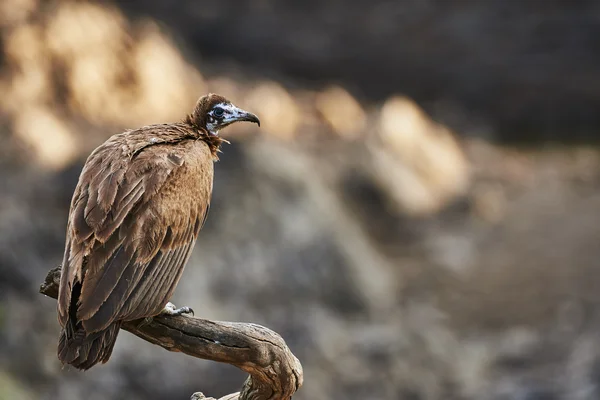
<point x="108" y="311"/>
<point x="129" y="196"/>
<point x="126" y="245"/>
<point x="80" y="229"/>
<point x="148" y="298"/>
<point x="142" y="291"/>
<point x="104" y="270"/>
<point x="167" y="286"/>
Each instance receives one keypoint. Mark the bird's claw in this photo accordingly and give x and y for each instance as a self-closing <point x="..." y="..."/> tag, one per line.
<point x="184" y="310"/>
<point x="171" y="310"/>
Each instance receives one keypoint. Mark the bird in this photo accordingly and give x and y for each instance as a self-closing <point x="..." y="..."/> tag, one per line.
<point x="140" y="201"/>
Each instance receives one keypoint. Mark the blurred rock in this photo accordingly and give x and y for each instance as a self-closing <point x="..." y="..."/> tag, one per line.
<point x="278" y="111"/>
<point x="29" y="80"/>
<point x="489" y="202"/>
<point x="10" y="388"/>
<point x="166" y="83"/>
<point x="341" y="111"/>
<point x="396" y="260"/>
<point x="419" y="161"/>
<point x="107" y="70"/>
<point x="13" y="12"/>
<point x="53" y="144"/>
<point x="517" y="71"/>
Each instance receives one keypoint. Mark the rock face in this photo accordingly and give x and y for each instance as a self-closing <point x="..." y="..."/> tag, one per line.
<point x="529" y="70"/>
<point x="396" y="257"/>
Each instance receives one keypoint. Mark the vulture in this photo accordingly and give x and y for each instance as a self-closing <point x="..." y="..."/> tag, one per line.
<point x="141" y="199"/>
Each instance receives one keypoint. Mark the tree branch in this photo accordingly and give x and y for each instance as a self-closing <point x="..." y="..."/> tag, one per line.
<point x="275" y="373"/>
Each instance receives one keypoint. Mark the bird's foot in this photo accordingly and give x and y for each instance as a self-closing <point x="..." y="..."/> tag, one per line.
<point x="170" y="309"/>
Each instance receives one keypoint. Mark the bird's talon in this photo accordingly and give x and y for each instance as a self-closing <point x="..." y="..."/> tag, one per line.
<point x="184" y="310"/>
<point x="172" y="311"/>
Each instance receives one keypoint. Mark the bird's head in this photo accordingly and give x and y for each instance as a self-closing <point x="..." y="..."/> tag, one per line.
<point x="214" y="112"/>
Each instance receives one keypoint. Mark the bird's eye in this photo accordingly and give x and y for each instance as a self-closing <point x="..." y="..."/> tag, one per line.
<point x="218" y="111"/>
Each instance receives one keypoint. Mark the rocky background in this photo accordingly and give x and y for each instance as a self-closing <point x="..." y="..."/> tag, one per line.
<point x="419" y="215"/>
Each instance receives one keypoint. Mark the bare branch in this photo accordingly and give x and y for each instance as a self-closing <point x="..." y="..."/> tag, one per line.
<point x="275" y="373"/>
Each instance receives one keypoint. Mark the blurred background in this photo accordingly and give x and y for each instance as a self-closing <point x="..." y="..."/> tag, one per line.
<point x="418" y="217"/>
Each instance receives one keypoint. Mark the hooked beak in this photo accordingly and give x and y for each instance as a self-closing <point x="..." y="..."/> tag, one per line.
<point x="251" y="118"/>
<point x="241" y="115"/>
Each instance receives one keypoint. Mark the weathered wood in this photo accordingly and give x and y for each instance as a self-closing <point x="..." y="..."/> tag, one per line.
<point x="275" y="373"/>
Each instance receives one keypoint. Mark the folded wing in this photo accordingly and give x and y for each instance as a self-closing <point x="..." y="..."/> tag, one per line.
<point x="129" y="236"/>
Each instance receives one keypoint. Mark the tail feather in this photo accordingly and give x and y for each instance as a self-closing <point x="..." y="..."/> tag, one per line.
<point x="84" y="351"/>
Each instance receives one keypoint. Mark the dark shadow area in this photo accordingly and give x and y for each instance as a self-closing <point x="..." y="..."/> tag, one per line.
<point x="529" y="70"/>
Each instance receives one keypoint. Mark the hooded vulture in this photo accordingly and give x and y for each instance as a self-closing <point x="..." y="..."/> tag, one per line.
<point x="141" y="199"/>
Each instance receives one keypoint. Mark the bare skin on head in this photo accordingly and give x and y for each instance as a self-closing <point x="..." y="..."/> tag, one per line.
<point x="141" y="200"/>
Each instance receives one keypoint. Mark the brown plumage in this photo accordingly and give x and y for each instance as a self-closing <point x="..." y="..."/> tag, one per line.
<point x="140" y="202"/>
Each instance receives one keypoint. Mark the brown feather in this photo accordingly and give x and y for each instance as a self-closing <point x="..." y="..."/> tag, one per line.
<point x="141" y="199"/>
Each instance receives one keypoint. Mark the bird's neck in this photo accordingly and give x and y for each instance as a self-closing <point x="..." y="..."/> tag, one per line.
<point x="214" y="144"/>
<point x="213" y="141"/>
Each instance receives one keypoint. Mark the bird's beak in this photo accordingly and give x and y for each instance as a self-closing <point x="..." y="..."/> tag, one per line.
<point x="251" y="118"/>
<point x="238" y="114"/>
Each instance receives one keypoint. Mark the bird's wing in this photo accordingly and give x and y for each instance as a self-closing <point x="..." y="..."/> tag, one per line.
<point x="130" y="234"/>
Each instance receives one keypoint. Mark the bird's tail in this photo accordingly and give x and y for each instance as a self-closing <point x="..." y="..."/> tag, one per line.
<point x="83" y="351"/>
